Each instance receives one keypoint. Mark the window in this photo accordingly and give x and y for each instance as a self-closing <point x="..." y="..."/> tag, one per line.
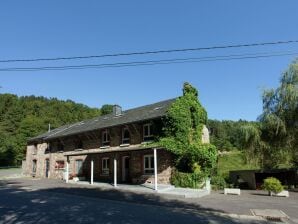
<point x="34" y="149"/>
<point x="147" y="132"/>
<point x="79" y="167"/>
<point x="34" y="164"/>
<point x="125" y="136"/>
<point x="149" y="164"/>
<point x="80" y="144"/>
<point x="59" y="164"/>
<point x="60" y="147"/>
<point x="105" y="138"/>
<point x="49" y="148"/>
<point x="105" y="166"/>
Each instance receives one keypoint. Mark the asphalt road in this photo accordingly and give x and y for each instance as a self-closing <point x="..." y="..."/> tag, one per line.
<point x="20" y="203"/>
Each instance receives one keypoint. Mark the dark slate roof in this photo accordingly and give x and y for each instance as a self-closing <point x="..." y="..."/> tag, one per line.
<point x="143" y="113"/>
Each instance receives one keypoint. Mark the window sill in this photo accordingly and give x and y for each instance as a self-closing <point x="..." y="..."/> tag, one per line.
<point x="125" y="145"/>
<point x="60" y="151"/>
<point x="78" y="150"/>
<point x="146" y="142"/>
<point x="104" y="175"/>
<point x="147" y="174"/>
<point x="104" y="147"/>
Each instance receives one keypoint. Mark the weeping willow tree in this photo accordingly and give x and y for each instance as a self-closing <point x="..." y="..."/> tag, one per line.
<point x="250" y="141"/>
<point x="280" y="120"/>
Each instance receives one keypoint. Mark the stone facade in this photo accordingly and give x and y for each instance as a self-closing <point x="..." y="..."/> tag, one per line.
<point x="89" y="146"/>
<point x="49" y="158"/>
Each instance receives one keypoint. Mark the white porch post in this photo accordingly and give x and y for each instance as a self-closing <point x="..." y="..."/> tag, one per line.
<point x="91" y="182"/>
<point x="155" y="169"/>
<point x="67" y="170"/>
<point x="115" y="172"/>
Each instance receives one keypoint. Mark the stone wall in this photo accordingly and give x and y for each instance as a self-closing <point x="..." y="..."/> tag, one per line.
<point x="91" y="141"/>
<point x="205" y="135"/>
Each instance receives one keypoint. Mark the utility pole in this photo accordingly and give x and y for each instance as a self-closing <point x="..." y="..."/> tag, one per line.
<point x="49" y="127"/>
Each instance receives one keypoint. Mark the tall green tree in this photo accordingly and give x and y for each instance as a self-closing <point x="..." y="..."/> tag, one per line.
<point x="106" y="109"/>
<point x="280" y="118"/>
<point x="251" y="143"/>
<point x="28" y="116"/>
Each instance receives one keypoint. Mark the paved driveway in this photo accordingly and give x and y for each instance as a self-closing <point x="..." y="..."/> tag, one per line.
<point x="43" y="201"/>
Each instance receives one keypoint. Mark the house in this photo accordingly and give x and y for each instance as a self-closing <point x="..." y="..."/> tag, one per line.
<point x="108" y="148"/>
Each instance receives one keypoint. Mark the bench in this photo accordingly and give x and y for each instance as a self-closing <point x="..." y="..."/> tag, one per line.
<point x="280" y="194"/>
<point x="232" y="191"/>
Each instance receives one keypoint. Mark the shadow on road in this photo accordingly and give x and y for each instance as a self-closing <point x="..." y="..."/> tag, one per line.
<point x="62" y="203"/>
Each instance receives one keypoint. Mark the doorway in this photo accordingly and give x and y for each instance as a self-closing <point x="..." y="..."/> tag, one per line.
<point x="125" y="168"/>
<point x="47" y="167"/>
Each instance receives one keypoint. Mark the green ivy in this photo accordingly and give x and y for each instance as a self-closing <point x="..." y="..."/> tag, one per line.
<point x="184" y="122"/>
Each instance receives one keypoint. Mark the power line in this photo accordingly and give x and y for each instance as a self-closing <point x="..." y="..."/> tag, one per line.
<point x="155" y="62"/>
<point x="151" y="52"/>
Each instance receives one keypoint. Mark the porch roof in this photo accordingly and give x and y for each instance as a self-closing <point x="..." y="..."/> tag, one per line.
<point x="109" y="150"/>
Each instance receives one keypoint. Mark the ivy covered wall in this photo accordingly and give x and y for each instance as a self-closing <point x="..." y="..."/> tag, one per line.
<point x="182" y="134"/>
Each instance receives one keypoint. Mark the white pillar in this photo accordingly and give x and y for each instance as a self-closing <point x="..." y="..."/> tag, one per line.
<point x="208" y="185"/>
<point x="115" y="172"/>
<point x="91" y="172"/>
<point x="67" y="171"/>
<point x="155" y="169"/>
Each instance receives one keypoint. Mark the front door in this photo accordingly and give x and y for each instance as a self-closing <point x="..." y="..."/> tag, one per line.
<point x="79" y="167"/>
<point x="47" y="167"/>
<point x="125" y="168"/>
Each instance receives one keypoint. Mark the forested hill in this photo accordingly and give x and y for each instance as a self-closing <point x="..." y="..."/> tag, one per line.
<point x="27" y="116"/>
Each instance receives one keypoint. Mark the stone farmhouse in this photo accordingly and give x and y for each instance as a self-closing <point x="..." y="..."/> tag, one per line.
<point x="109" y="148"/>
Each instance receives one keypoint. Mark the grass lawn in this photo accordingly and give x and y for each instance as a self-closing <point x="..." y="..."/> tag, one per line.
<point x="232" y="161"/>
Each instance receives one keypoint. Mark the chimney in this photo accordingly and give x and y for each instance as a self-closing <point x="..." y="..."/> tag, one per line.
<point x="117" y="110"/>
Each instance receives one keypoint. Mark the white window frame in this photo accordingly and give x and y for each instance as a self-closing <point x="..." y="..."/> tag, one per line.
<point x="125" y="139"/>
<point x="149" y="170"/>
<point x="105" y="166"/>
<point x="105" y="134"/>
<point x="149" y="125"/>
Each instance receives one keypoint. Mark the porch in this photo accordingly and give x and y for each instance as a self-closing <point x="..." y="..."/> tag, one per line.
<point x="128" y="165"/>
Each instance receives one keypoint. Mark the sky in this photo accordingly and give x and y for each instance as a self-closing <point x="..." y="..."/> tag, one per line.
<point x="229" y="90"/>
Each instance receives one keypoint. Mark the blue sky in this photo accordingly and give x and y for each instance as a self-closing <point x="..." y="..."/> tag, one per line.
<point x="228" y="89"/>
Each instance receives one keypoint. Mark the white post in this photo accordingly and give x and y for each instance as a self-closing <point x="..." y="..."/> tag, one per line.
<point x="67" y="171"/>
<point x="115" y="172"/>
<point x="208" y="185"/>
<point x="155" y="169"/>
<point x="91" y="172"/>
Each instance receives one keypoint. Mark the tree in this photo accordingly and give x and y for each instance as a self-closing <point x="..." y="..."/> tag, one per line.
<point x="250" y="141"/>
<point x="24" y="117"/>
<point x="280" y="117"/>
<point x="106" y="109"/>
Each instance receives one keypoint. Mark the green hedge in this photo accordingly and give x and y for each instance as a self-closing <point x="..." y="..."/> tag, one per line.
<point x="218" y="182"/>
<point x="190" y="180"/>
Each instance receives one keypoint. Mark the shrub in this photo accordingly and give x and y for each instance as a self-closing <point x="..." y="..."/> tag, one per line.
<point x="190" y="180"/>
<point x="218" y="182"/>
<point x="272" y="184"/>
